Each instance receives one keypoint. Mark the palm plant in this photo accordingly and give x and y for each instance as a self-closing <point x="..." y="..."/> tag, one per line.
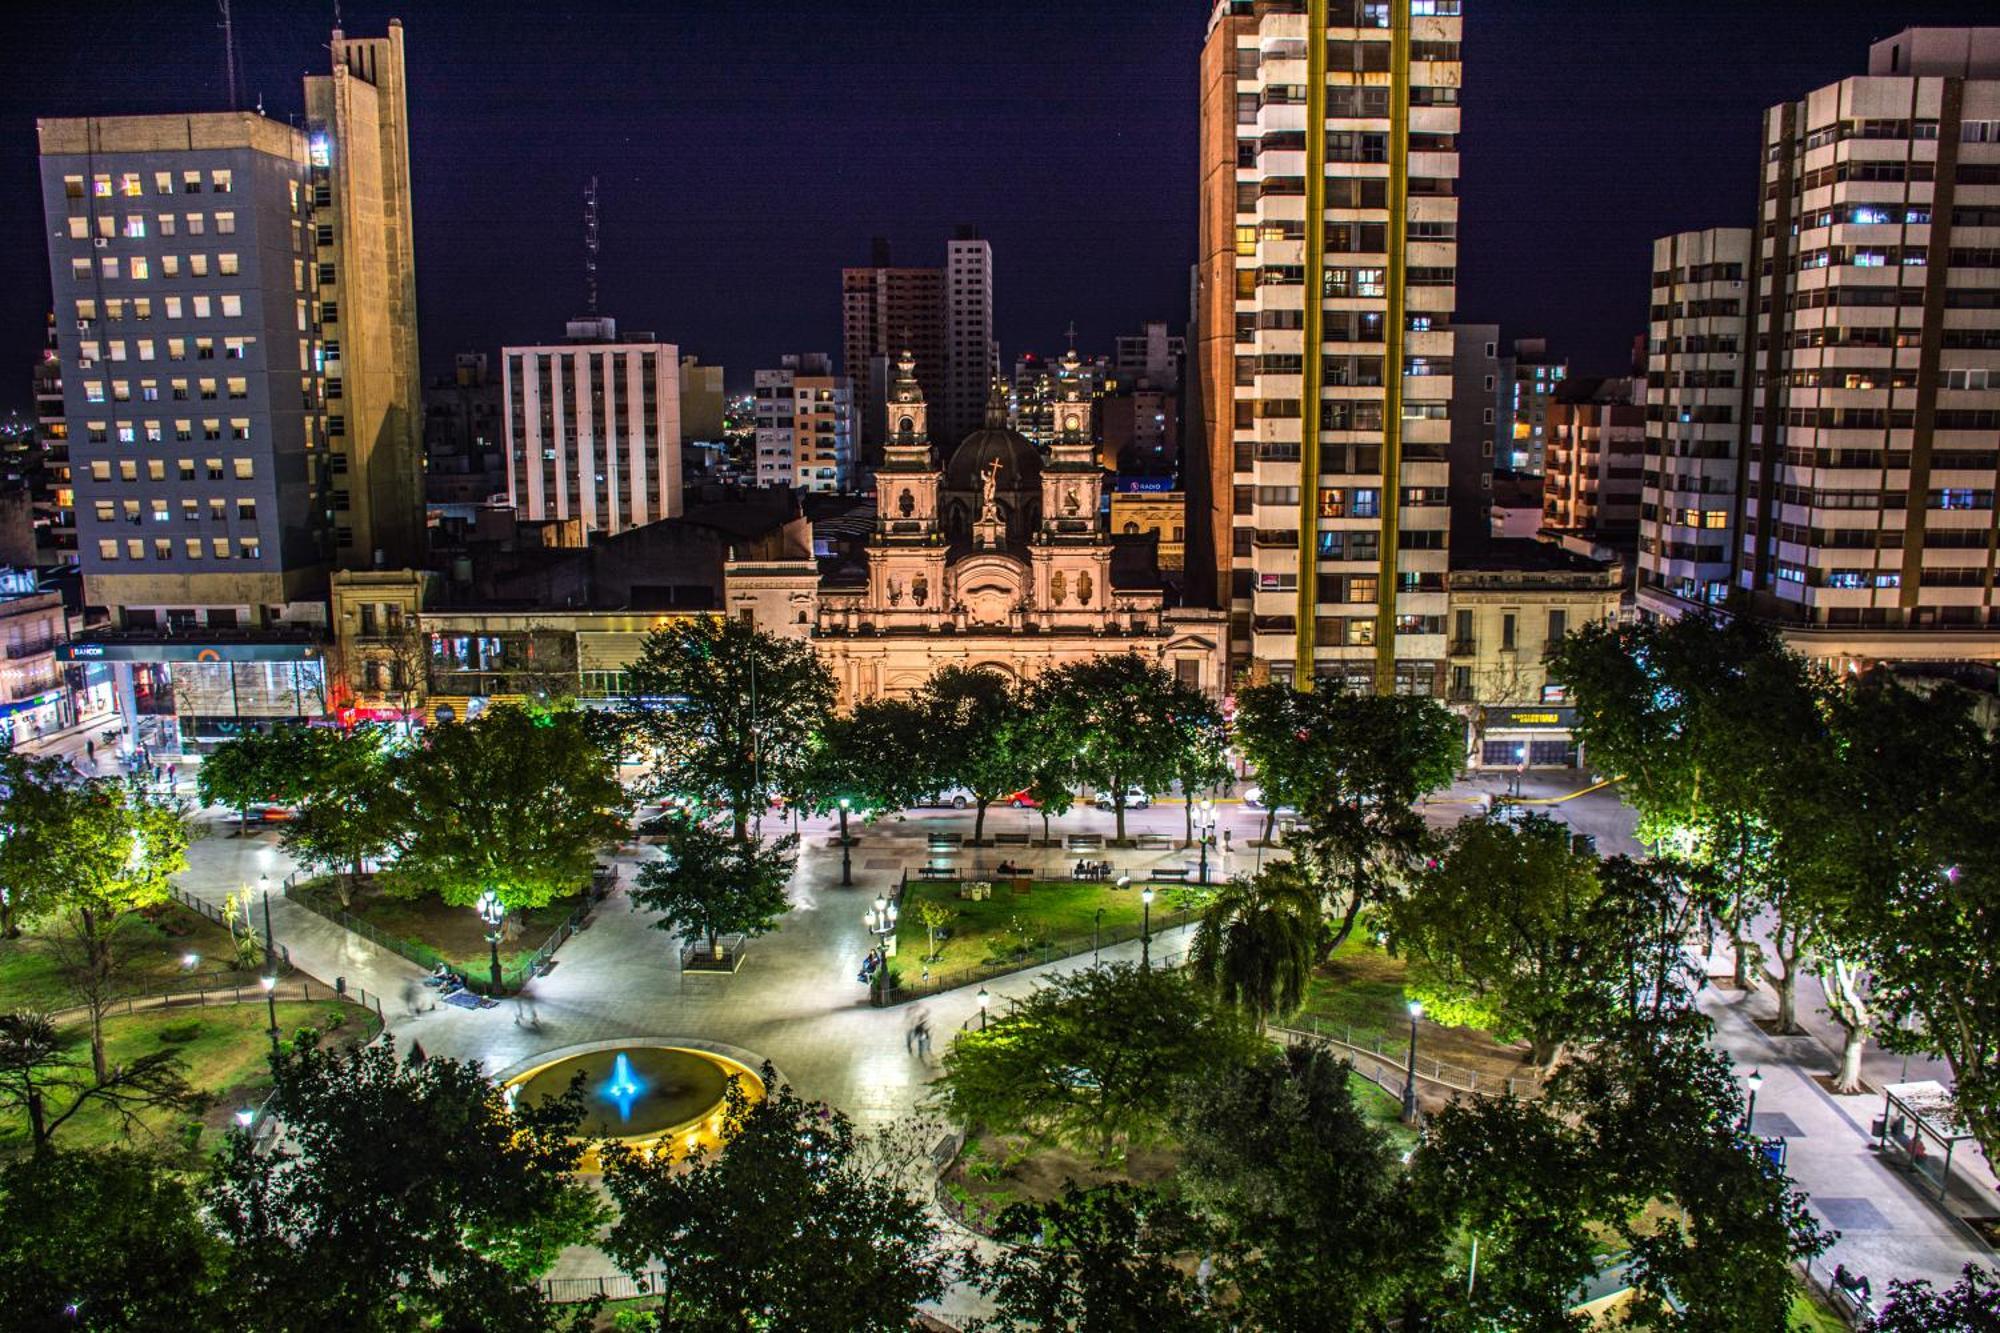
<point x="1256" y="944"/>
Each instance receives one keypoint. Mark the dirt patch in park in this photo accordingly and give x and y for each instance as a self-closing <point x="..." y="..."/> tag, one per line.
<point x="994" y="1171"/>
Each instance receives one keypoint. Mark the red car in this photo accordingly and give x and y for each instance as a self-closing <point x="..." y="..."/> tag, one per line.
<point x="1022" y="800"/>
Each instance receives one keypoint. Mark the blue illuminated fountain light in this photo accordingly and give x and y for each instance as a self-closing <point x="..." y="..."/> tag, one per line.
<point x="624" y="1087"/>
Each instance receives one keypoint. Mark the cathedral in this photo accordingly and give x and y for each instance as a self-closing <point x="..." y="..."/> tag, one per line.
<point x="1001" y="558"/>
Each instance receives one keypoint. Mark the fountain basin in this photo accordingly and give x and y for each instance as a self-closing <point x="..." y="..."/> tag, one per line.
<point x="641" y="1093"/>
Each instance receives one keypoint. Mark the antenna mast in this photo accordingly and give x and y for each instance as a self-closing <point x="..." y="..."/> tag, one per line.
<point x="229" y="51"/>
<point x="590" y="248"/>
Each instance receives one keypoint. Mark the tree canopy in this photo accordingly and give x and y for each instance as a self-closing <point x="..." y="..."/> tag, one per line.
<point x="1122" y="719"/>
<point x="1091" y="1059"/>
<point x="980" y="735"/>
<point x="510" y="802"/>
<point x="708" y="884"/>
<point x="727" y="714"/>
<point x="407" y="1195"/>
<point x="787" y="1227"/>
<point x="1258" y="939"/>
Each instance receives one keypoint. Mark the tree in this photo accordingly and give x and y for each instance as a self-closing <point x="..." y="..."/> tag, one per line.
<point x="726" y="713"/>
<point x="406" y="1196"/>
<point x="784" y="1228"/>
<point x="1501" y="934"/>
<point x="1117" y="714"/>
<point x="103" y="1240"/>
<point x="1201" y="746"/>
<point x="978" y="733"/>
<point x="1638" y="1146"/>
<point x="933" y="914"/>
<point x="1257" y="941"/>
<point x="48" y="1087"/>
<point x="708" y="883"/>
<point x="86" y="856"/>
<point x="236" y="774"/>
<point x="1969" y="1305"/>
<point x="1319" y="1228"/>
<point x="1090" y="1059"/>
<point x="31" y="793"/>
<point x="515" y="804"/>
<point x="1354" y="766"/>
<point x="1711" y="724"/>
<point x="1923" y="911"/>
<point x="878" y="757"/>
<point x="347" y="812"/>
<point x="1105" y="1260"/>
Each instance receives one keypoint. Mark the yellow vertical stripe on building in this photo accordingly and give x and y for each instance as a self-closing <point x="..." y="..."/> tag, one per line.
<point x="1314" y="336"/>
<point x="1394" y="324"/>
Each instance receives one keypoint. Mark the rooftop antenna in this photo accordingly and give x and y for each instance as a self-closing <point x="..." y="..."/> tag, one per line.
<point x="228" y="27"/>
<point x="590" y="248"/>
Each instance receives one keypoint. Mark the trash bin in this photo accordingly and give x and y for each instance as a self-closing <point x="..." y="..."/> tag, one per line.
<point x="340" y="986"/>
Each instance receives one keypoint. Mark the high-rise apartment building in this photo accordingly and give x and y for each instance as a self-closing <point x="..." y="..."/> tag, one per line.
<point x="357" y="119"/>
<point x="885" y="311"/>
<point x="1594" y="459"/>
<point x="1482" y="398"/>
<point x="805" y="425"/>
<point x="55" y="492"/>
<point x="1153" y="355"/>
<point x="1697" y="376"/>
<point x="1328" y="262"/>
<point x="701" y="401"/>
<point x="181" y="258"/>
<point x="972" y="360"/>
<point x="594" y="427"/>
<point x="1535" y="377"/>
<point x="1868" y="504"/>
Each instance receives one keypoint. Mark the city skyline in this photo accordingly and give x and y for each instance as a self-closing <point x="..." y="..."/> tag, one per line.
<point x="1082" y="190"/>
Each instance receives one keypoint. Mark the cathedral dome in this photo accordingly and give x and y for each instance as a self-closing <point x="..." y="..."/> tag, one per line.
<point x="1020" y="462"/>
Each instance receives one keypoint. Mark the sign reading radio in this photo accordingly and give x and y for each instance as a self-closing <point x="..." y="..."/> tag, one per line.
<point x="90" y="651"/>
<point x="1530" y="718"/>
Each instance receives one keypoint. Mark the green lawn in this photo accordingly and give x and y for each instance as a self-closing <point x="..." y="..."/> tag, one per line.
<point x="1809" y="1315"/>
<point x="455" y="934"/>
<point x="1003" y="927"/>
<point x="224" y="1051"/>
<point x="155" y="946"/>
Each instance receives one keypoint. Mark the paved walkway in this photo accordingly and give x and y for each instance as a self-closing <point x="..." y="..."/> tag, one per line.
<point x="796" y="1000"/>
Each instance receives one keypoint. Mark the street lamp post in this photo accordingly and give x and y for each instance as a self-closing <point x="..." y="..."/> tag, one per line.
<point x="1754" y="1082"/>
<point x="1410" y="1075"/>
<point x="492" y="912"/>
<point x="1096" y="926"/>
<point x="846" y="860"/>
<point x="1146" y="927"/>
<point x="984" y="1000"/>
<point x="269" y="981"/>
<point x="270" y="944"/>
<point x="1204" y="828"/>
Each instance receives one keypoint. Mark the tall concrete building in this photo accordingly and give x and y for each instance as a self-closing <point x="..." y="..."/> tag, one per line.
<point x="701" y="401"/>
<point x="972" y="359"/>
<point x="1481" y="413"/>
<point x="357" y="120"/>
<point x="1697" y="376"/>
<point x="188" y="339"/>
<point x="1594" y="460"/>
<point x="885" y="311"/>
<point x="805" y="425"/>
<point x="1153" y="355"/>
<point x="594" y="427"/>
<point x="1868" y="522"/>
<point x="55" y="493"/>
<point x="1535" y="375"/>
<point x="1328" y="256"/>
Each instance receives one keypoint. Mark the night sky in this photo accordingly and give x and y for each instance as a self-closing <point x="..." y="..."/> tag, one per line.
<point x="746" y="150"/>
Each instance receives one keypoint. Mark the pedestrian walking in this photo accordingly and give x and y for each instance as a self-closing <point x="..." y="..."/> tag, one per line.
<point x="90" y="748"/>
<point x="410" y="998"/>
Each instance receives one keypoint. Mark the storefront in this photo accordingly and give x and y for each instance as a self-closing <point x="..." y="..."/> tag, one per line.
<point x="37" y="715"/>
<point x="187" y="697"/>
<point x="1526" y="736"/>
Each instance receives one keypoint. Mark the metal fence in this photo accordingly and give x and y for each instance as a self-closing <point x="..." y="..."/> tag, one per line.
<point x="611" y="1287"/>
<point x="215" y="914"/>
<point x="1382" y="1058"/>
<point x="1049" y="951"/>
<point x="309" y="894"/>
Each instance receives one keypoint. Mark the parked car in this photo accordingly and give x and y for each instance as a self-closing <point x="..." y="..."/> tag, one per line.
<point x="1254" y="798"/>
<point x="1136" y="798"/>
<point x="1022" y="800"/>
<point x="957" y="798"/>
<point x="272" y="814"/>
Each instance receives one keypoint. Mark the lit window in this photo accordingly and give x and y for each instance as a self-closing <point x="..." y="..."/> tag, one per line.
<point x="108" y="266"/>
<point x="93" y="391"/>
<point x="198" y="265"/>
<point x="190" y="182"/>
<point x="244" y="469"/>
<point x="201" y="307"/>
<point x="79" y="228"/>
<point x="128" y="185"/>
<point x="232" y="305"/>
<point x="135" y="225"/>
<point x="226" y="265"/>
<point x="140" y="269"/>
<point x="220" y="180"/>
<point x="225" y="223"/>
<point x="166" y="224"/>
<point x="196" y="224"/>
<point x="107" y="548"/>
<point x="79" y="269"/>
<point x="163" y="182"/>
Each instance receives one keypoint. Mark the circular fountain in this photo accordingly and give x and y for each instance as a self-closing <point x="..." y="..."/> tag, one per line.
<point x="641" y="1093"/>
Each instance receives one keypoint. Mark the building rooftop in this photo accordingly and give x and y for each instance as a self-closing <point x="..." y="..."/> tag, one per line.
<point x="1521" y="555"/>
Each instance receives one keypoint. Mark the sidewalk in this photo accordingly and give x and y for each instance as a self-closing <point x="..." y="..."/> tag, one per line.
<point x="1887" y="1228"/>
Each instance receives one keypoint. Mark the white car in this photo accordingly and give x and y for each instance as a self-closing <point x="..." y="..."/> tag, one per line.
<point x="957" y="798"/>
<point x="1254" y="798"/>
<point x="1136" y="798"/>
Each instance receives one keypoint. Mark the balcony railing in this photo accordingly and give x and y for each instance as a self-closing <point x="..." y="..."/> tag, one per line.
<point x="32" y="648"/>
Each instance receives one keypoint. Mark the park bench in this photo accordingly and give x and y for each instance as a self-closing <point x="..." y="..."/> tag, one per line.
<point x="1012" y="840"/>
<point x="940" y="874"/>
<point x="1084" y="842"/>
<point x="1168" y="875"/>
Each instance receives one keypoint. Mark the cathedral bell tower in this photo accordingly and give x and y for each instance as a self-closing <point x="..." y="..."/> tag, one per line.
<point x="1072" y="481"/>
<point x="906" y="485"/>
